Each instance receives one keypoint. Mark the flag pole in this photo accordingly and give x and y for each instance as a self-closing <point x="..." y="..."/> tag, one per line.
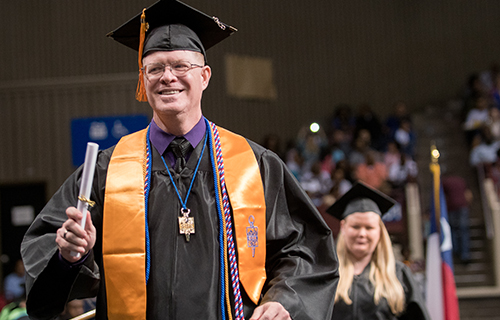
<point x="436" y="174"/>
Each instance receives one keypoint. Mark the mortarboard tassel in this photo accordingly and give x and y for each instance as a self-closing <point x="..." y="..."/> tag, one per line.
<point x="140" y="93"/>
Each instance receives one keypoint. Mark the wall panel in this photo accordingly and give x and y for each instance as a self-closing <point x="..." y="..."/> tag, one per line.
<point x="57" y="64"/>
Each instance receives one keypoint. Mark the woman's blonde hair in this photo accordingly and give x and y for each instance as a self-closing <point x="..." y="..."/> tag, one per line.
<point x="382" y="273"/>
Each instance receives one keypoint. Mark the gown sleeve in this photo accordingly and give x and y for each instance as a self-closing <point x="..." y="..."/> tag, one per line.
<point x="415" y="304"/>
<point x="301" y="262"/>
<point x="51" y="281"/>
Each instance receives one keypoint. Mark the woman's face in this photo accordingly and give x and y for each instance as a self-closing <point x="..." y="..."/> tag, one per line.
<point x="361" y="232"/>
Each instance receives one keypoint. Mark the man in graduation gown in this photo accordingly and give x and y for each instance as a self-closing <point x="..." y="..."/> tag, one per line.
<point x="217" y="230"/>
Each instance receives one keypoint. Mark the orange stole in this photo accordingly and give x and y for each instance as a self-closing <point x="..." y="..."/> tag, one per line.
<point x="246" y="194"/>
<point x="123" y="230"/>
<point x="124" y="252"/>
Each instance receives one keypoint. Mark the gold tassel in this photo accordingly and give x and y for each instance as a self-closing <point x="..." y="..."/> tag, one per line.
<point x="140" y="93"/>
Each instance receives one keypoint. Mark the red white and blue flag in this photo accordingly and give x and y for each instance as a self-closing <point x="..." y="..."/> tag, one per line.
<point x="441" y="294"/>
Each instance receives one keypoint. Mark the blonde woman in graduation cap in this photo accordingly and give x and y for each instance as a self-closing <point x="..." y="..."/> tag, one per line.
<point x="372" y="285"/>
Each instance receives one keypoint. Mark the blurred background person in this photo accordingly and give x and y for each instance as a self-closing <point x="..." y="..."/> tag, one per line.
<point x="372" y="285"/>
<point x="316" y="183"/>
<point x="458" y="199"/>
<point x="14" y="287"/>
<point x="484" y="148"/>
<point x="405" y="137"/>
<point x="477" y="117"/>
<point x="368" y="119"/>
<point x="373" y="171"/>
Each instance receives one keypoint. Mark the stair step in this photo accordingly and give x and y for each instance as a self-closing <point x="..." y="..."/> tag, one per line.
<point x="476" y="232"/>
<point x="479" y="309"/>
<point x="475" y="267"/>
<point x="471" y="278"/>
<point x="477" y="244"/>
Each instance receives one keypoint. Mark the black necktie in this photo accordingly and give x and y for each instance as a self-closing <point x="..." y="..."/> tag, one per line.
<point x="180" y="147"/>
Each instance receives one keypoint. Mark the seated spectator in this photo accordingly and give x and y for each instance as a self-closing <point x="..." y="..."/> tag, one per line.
<point x="373" y="172"/>
<point x="405" y="137"/>
<point x="473" y="90"/>
<point x="15" y="310"/>
<point x="367" y="119"/>
<point x="340" y="145"/>
<point x="14" y="283"/>
<point x="361" y="145"/>
<point x="316" y="183"/>
<point x="338" y="151"/>
<point x="340" y="185"/>
<point x="477" y="117"/>
<point x="294" y="162"/>
<point x="403" y="171"/>
<point x="347" y="168"/>
<point x="484" y="148"/>
<point x="392" y="155"/>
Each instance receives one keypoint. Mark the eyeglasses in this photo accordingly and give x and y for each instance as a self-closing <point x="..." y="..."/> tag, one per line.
<point x="154" y="71"/>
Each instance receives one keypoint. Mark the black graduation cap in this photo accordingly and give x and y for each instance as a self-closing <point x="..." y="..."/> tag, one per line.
<point x="178" y="27"/>
<point x="361" y="198"/>
<point x="170" y="25"/>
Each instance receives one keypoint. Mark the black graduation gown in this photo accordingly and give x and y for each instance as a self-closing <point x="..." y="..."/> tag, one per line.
<point x="301" y="263"/>
<point x="364" y="308"/>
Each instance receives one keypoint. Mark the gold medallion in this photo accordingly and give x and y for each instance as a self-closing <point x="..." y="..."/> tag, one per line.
<point x="186" y="224"/>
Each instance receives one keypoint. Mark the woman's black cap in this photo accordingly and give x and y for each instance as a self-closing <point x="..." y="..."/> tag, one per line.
<point x="361" y="198"/>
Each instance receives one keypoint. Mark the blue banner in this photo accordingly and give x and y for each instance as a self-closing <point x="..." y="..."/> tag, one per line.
<point x="105" y="131"/>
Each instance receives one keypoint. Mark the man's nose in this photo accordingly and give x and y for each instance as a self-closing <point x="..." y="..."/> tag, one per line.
<point x="167" y="74"/>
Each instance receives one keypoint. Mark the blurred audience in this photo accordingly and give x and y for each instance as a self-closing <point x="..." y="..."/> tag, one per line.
<point x="14" y="287"/>
<point x="360" y="147"/>
<point x="368" y="120"/>
<point x="340" y="185"/>
<point x="373" y="172"/>
<point x="344" y="120"/>
<point x="477" y="117"/>
<point x="316" y="183"/>
<point x="401" y="172"/>
<point x="311" y="146"/>
<point x="405" y="137"/>
<point x="484" y="148"/>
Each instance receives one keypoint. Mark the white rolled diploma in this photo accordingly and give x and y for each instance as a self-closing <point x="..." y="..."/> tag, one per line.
<point x="86" y="183"/>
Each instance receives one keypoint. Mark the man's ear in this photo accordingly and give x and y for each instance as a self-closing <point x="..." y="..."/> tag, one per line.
<point x="206" y="73"/>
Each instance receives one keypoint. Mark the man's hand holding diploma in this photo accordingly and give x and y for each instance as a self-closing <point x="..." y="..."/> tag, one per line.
<point x="77" y="235"/>
<point x="72" y="237"/>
